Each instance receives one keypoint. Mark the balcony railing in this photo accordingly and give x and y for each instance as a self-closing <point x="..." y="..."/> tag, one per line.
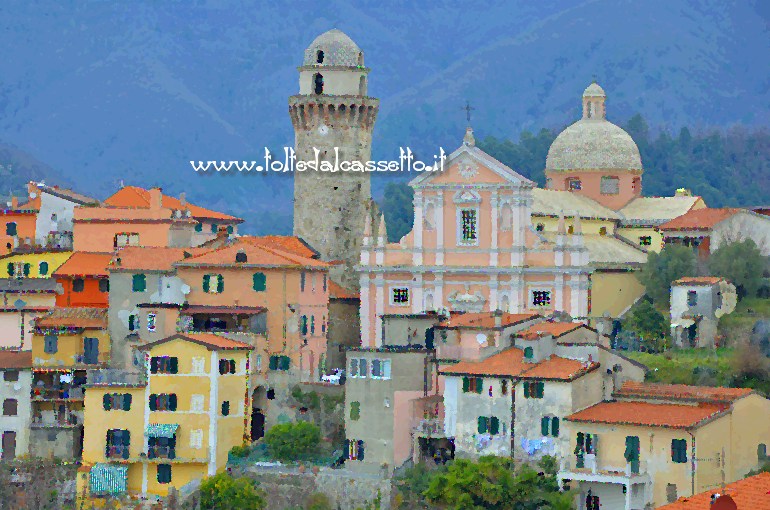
<point x="115" y="377"/>
<point x="53" y="421"/>
<point x="117" y="451"/>
<point x="431" y="427"/>
<point x="43" y="393"/>
<point x="587" y="464"/>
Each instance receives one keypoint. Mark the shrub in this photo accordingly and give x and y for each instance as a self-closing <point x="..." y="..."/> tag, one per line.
<point x="223" y="492"/>
<point x="318" y="501"/>
<point x="293" y="441"/>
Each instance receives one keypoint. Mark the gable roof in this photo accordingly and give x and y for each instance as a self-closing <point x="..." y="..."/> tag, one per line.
<point x="291" y="244"/>
<point x="134" y="196"/>
<point x="483" y="159"/>
<point x="556" y="329"/>
<point x="136" y="258"/>
<point x="675" y="416"/>
<point x="211" y="341"/>
<point x="83" y="263"/>
<point x="10" y="359"/>
<point x="681" y="392"/>
<point x="337" y="291"/>
<point x="484" y="320"/>
<point x="698" y="280"/>
<point x="700" y="219"/>
<point x="656" y="210"/>
<point x="66" y="194"/>
<point x="607" y="251"/>
<point x="256" y="256"/>
<point x="510" y="363"/>
<point x="752" y="493"/>
<point x="86" y="318"/>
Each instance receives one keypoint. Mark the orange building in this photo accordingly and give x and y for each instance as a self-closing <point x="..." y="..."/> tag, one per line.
<point x="207" y="223"/>
<point x="85" y="280"/>
<point x="17" y="224"/>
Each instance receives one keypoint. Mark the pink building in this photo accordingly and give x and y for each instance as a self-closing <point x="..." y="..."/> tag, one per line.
<point x="472" y="248"/>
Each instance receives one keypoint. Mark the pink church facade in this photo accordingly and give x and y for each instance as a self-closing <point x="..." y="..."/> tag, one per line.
<point x="472" y="248"/>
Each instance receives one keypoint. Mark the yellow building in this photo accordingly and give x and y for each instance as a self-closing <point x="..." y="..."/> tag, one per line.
<point x="34" y="264"/>
<point x="656" y="442"/>
<point x="171" y="425"/>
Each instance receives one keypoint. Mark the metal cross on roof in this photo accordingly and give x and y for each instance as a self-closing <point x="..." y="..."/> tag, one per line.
<point x="468" y="110"/>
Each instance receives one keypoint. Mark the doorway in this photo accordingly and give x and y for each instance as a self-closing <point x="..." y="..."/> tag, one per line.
<point x="258" y="410"/>
<point x="90" y="351"/>
<point x="9" y="445"/>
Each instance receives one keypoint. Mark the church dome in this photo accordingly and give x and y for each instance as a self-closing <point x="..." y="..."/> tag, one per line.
<point x="333" y="48"/>
<point x="593" y="143"/>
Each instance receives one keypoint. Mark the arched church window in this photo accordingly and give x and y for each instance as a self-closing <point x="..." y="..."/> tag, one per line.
<point x="318" y="83"/>
<point x="430" y="217"/>
<point x="362" y="86"/>
<point x="319" y="57"/>
<point x="505" y="303"/>
<point x="590" y="109"/>
<point x="428" y="302"/>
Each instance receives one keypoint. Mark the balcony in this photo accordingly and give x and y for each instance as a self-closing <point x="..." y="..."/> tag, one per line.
<point x="115" y="377"/>
<point x="161" y="452"/>
<point x="43" y="393"/>
<point x="431" y="427"/>
<point x="588" y="469"/>
<point x="52" y="420"/>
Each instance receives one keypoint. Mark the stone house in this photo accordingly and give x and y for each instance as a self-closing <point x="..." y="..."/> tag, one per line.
<point x="697" y="303"/>
<point x="15" y="391"/>
<point x="655" y="443"/>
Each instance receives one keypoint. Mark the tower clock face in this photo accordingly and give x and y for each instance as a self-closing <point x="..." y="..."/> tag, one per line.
<point x="323" y="129"/>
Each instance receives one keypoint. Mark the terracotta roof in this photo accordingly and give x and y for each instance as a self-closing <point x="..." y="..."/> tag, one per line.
<point x="677" y="416"/>
<point x="291" y="244"/>
<point x="211" y="341"/>
<point x="337" y="291"/>
<point x="683" y="392"/>
<point x="65" y="193"/>
<point x="88" y="318"/>
<point x="256" y="256"/>
<point x="699" y="219"/>
<point x="15" y="359"/>
<point x="556" y="329"/>
<point x="751" y="493"/>
<point x="134" y="196"/>
<point x="699" y="280"/>
<point x="484" y="320"/>
<point x="83" y="263"/>
<point x="135" y="258"/>
<point x="510" y="363"/>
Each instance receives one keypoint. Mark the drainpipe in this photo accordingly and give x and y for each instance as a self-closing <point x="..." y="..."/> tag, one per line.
<point x="692" y="463"/>
<point x="513" y="416"/>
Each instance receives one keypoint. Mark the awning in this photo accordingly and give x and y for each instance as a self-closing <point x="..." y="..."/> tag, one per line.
<point x="161" y="430"/>
<point x="108" y="478"/>
<point x="683" y="322"/>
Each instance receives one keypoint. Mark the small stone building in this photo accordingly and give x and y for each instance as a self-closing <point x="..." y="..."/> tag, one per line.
<point x="696" y="305"/>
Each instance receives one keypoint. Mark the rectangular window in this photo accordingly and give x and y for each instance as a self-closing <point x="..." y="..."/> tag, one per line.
<point x="355" y="449"/>
<point x="541" y="298"/>
<point x="164" y="473"/>
<point x="468" y="226"/>
<point x="280" y="362"/>
<point x="380" y="369"/>
<point x="196" y="403"/>
<point x="226" y="408"/>
<point x="78" y="284"/>
<point x="213" y="283"/>
<point x="51" y="344"/>
<point x="126" y="239"/>
<point x="163" y="402"/>
<point x="610" y="185"/>
<point x="359" y="368"/>
<point x="139" y="283"/>
<point x="10" y="229"/>
<point x="534" y="389"/>
<point x="473" y="384"/>
<point x="226" y="366"/>
<point x="10" y="375"/>
<point x="104" y="285"/>
<point x="692" y="298"/>
<point x="198" y="365"/>
<point x="399" y="296"/>
<point x="325" y="283"/>
<point x="574" y="184"/>
<point x="10" y="407"/>
<point x="116" y="401"/>
<point x="118" y="444"/>
<point x="489" y="425"/>
<point x="302" y="282"/>
<point x="151" y="321"/>
<point x="164" y="365"/>
<point x="645" y="240"/>
<point x="679" y="450"/>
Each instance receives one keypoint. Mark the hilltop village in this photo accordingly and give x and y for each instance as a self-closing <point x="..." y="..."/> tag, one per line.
<point x="147" y="339"/>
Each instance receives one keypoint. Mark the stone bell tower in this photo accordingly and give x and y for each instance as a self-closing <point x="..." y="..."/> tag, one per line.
<point x="332" y="112"/>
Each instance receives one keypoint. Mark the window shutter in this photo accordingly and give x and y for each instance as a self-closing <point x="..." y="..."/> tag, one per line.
<point x="482" y="425"/>
<point x="206" y="283"/>
<point x="285" y="362"/>
<point x="494" y="425"/>
<point x="172" y="402"/>
<point x="526" y="390"/>
<point x="127" y="402"/>
<point x="479" y="385"/>
<point x="232" y="366"/>
<point x="259" y="281"/>
<point x="43" y="268"/>
<point x="153" y="364"/>
<point x="153" y="402"/>
<point x="26" y="269"/>
<point x="126" y="442"/>
<point x="273" y="364"/>
<point x="10" y="269"/>
<point x="107" y="402"/>
<point x="173" y="365"/>
<point x="360" y="450"/>
<point x="544" y="423"/>
<point x="109" y="444"/>
<point x="540" y="389"/>
<point x="466" y="384"/>
<point x="220" y="283"/>
<point x="139" y="283"/>
<point x="555" y="427"/>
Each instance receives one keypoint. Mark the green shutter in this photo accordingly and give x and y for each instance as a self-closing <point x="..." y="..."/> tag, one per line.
<point x="220" y="283"/>
<point x="526" y="390"/>
<point x="27" y="268"/>
<point x="214" y="228"/>
<point x="494" y="426"/>
<point x="540" y="389"/>
<point x="107" y="402"/>
<point x="139" y="283"/>
<point x="10" y="269"/>
<point x="529" y="352"/>
<point x="173" y="365"/>
<point x="466" y="384"/>
<point x="230" y="229"/>
<point x="43" y="268"/>
<point x="126" y="401"/>
<point x="544" y="425"/>
<point x="479" y="385"/>
<point x="199" y="227"/>
<point x="172" y="402"/>
<point x="555" y="427"/>
<point x="259" y="282"/>
<point x="206" y="283"/>
<point x="153" y="402"/>
<point x="285" y="362"/>
<point x="482" y="425"/>
<point x="273" y="363"/>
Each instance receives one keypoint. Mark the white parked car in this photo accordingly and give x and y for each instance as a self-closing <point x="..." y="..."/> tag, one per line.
<point x="338" y="377"/>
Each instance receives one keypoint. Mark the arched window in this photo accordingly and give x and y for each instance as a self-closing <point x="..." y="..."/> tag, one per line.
<point x="590" y="109"/>
<point x="241" y="257"/>
<point x="529" y="353"/>
<point x="43" y="268"/>
<point x="362" y="86"/>
<point x="506" y="218"/>
<point x="319" y="57"/>
<point x="505" y="303"/>
<point x="318" y="83"/>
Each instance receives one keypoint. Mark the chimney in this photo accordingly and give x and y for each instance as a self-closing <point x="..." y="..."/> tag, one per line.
<point x="156" y="198"/>
<point x="183" y="199"/>
<point x="31" y="188"/>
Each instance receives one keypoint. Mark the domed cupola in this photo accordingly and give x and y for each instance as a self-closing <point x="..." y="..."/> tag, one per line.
<point x="333" y="65"/>
<point x="595" y="157"/>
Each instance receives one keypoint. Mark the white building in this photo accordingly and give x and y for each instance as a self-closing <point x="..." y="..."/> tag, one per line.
<point x="15" y="391"/>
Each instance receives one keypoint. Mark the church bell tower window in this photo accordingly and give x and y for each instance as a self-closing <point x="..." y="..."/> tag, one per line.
<point x="319" y="57"/>
<point x="318" y="83"/>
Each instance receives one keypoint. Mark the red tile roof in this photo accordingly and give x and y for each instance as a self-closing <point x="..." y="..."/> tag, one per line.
<point x="83" y="263"/>
<point x="256" y="256"/>
<point x="135" y="258"/>
<point x="484" y="320"/>
<point x="751" y="493"/>
<point x="15" y="359"/>
<point x="682" y="392"/>
<point x="699" y="280"/>
<point x="699" y="219"/>
<point x="134" y="196"/>
<point x="339" y="292"/>
<point x="556" y="329"/>
<point x="510" y="363"/>
<point x="88" y="318"/>
<point x="291" y="244"/>
<point x="677" y="416"/>
<point x="211" y="341"/>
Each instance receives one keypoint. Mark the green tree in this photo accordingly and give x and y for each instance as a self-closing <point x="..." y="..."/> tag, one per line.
<point x="741" y="263"/>
<point x="293" y="441"/>
<point x="673" y="262"/>
<point x="398" y="208"/>
<point x="649" y="324"/>
<point x="223" y="492"/>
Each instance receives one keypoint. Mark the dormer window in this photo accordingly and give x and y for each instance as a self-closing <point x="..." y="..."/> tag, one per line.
<point x="240" y="257"/>
<point x="318" y="83"/>
<point x="319" y="57"/>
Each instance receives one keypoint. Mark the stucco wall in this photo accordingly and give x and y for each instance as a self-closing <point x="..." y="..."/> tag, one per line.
<point x="613" y="292"/>
<point x="20" y="391"/>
